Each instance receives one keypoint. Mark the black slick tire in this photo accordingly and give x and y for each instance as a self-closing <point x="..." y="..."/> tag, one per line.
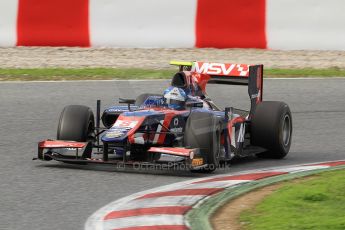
<point x="271" y="128"/>
<point x="203" y="131"/>
<point x="76" y="123"/>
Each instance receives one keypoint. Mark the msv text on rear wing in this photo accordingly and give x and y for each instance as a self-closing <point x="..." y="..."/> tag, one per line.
<point x="231" y="74"/>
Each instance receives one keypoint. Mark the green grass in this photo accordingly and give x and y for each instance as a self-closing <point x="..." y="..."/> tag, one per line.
<point x="112" y="73"/>
<point x="318" y="203"/>
<point x="81" y="74"/>
<point x="330" y="72"/>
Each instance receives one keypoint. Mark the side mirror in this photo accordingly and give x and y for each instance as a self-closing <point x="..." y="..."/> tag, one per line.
<point x="126" y="101"/>
<point x="195" y="104"/>
<point x="129" y="102"/>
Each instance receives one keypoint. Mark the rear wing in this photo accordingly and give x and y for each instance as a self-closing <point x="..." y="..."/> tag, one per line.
<point x="231" y="74"/>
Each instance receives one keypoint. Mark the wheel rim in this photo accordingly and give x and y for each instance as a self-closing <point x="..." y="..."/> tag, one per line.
<point x="286" y="130"/>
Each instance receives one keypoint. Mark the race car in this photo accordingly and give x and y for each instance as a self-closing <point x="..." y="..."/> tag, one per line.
<point x="181" y="127"/>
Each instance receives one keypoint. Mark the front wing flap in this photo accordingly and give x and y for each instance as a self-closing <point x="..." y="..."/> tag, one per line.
<point x="49" y="148"/>
<point x="193" y="156"/>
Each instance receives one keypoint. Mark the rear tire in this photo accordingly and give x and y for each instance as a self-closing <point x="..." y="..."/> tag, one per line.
<point x="142" y="98"/>
<point x="271" y="128"/>
<point x="203" y="131"/>
<point x="76" y="123"/>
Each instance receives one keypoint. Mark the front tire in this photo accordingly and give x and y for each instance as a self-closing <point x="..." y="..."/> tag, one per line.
<point x="76" y="123"/>
<point x="203" y="131"/>
<point x="271" y="128"/>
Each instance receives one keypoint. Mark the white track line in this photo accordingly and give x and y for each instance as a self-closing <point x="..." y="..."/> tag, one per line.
<point x="215" y="184"/>
<point x="147" y="220"/>
<point x="159" y="202"/>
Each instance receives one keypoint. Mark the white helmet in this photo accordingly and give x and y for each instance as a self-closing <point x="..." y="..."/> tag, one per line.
<point x="175" y="97"/>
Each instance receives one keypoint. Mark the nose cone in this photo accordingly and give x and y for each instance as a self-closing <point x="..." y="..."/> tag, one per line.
<point x="123" y="127"/>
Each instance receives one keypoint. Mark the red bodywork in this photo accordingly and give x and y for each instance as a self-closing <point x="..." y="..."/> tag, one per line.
<point x="126" y="121"/>
<point x="173" y="151"/>
<point x="61" y="144"/>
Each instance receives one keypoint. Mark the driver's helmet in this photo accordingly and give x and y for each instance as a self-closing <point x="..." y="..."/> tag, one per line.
<point x="175" y="98"/>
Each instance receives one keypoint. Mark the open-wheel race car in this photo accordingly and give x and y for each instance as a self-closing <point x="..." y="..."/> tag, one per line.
<point x="181" y="127"/>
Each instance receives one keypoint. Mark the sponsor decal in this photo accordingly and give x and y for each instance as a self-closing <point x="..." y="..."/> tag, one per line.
<point x="176" y="125"/>
<point x="175" y="121"/>
<point x="254" y="96"/>
<point x="116" y="110"/>
<point x="114" y="134"/>
<point x="241" y="133"/>
<point x="197" y="162"/>
<point x="125" y="124"/>
<point x="221" y="69"/>
<point x="159" y="128"/>
<point x="176" y="130"/>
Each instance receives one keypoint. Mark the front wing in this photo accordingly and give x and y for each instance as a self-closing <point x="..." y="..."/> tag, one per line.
<point x="82" y="153"/>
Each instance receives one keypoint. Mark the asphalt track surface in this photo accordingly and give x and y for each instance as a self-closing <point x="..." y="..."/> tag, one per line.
<point x="51" y="195"/>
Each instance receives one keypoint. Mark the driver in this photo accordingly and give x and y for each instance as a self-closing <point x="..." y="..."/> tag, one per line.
<point x="175" y="98"/>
